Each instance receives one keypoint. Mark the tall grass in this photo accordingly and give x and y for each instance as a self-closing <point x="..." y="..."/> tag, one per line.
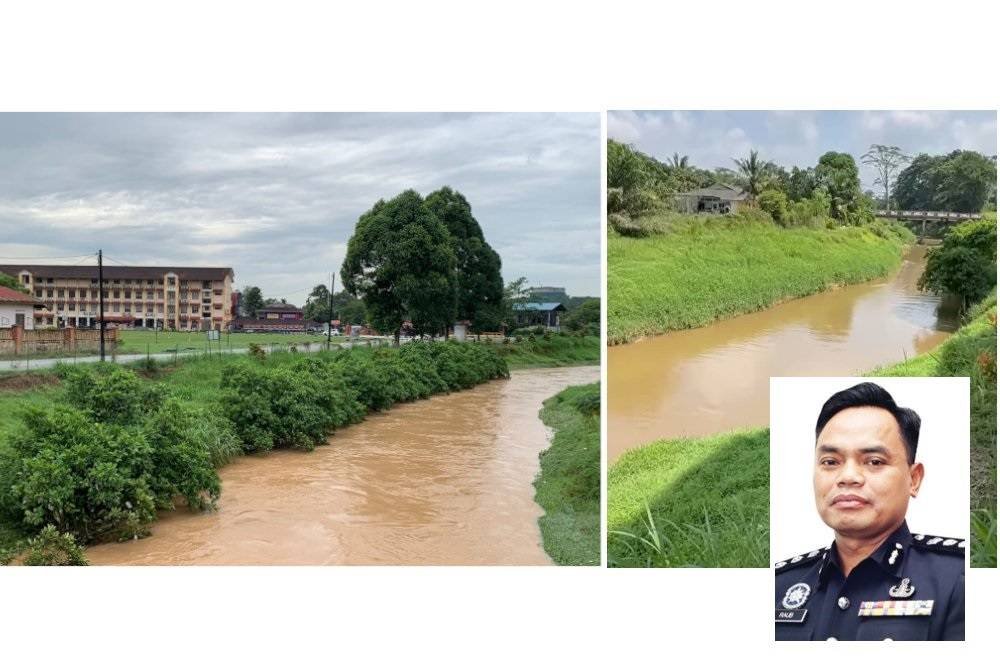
<point x="691" y="502"/>
<point x="705" y="268"/>
<point x="556" y="350"/>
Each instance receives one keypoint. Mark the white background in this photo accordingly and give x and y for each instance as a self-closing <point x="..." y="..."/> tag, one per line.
<point x="942" y="505"/>
<point x="519" y="55"/>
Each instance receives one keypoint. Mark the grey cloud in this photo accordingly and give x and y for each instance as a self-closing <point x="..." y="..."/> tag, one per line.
<point x="276" y="196"/>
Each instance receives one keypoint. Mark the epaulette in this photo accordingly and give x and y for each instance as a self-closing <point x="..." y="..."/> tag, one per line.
<point x="944" y="545"/>
<point x="800" y="560"/>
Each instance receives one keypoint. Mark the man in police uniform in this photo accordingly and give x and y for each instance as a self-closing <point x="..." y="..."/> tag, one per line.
<point x="876" y="581"/>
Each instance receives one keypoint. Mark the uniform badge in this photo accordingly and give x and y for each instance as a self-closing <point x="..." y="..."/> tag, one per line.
<point x="796" y="596"/>
<point x="903" y="589"/>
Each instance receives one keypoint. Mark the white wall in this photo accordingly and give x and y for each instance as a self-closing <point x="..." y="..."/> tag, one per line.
<point x="8" y="316"/>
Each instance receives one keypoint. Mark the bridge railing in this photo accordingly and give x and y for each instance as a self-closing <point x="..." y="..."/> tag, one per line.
<point x="924" y="214"/>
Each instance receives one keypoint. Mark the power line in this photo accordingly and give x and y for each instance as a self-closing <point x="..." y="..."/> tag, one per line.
<point x="35" y="258"/>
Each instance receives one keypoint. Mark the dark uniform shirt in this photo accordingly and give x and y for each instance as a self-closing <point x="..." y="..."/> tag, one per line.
<point x="911" y="588"/>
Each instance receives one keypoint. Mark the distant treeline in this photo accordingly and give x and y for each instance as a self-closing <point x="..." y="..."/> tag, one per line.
<point x="828" y="193"/>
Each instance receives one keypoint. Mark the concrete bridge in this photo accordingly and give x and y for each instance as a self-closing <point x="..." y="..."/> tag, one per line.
<point x="917" y="220"/>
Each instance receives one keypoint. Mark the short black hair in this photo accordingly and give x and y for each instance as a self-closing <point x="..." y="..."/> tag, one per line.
<point x="868" y="394"/>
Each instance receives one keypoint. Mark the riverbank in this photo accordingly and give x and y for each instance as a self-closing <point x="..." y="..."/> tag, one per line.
<point x="706" y="268"/>
<point x="704" y="501"/>
<point x="208" y="411"/>
<point x="568" y="487"/>
<point x="554" y="351"/>
<point x="972" y="353"/>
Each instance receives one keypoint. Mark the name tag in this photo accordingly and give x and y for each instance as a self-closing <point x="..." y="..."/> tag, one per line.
<point x="896" y="608"/>
<point x="789" y="616"/>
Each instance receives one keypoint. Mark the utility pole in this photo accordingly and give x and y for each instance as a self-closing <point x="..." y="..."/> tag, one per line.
<point x="100" y="295"/>
<point x="329" y="320"/>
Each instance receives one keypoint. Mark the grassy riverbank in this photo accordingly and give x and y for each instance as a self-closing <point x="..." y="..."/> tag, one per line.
<point x="568" y="487"/>
<point x="554" y="351"/>
<point x="705" y="268"/>
<point x="972" y="353"/>
<point x="98" y="451"/>
<point x="704" y="501"/>
<point x="691" y="502"/>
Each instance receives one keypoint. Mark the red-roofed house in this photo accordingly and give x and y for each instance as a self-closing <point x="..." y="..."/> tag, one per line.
<point x="16" y="309"/>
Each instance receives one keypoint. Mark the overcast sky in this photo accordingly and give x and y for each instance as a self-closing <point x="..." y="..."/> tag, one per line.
<point x="713" y="139"/>
<point x="276" y="196"/>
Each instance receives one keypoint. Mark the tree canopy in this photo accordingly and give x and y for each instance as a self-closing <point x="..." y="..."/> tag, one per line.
<point x="401" y="263"/>
<point x="837" y="174"/>
<point x="479" y="285"/>
<point x="962" y="181"/>
<point x="966" y="263"/>
<point x="251" y="301"/>
<point x="887" y="161"/>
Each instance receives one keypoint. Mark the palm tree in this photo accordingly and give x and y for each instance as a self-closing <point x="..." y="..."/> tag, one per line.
<point x="753" y="172"/>
<point x="679" y="161"/>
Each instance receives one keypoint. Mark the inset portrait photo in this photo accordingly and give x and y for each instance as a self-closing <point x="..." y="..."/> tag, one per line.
<point x="869" y="507"/>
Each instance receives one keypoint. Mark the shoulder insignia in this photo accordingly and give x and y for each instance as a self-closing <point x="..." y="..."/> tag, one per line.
<point x="800" y="560"/>
<point x="944" y="545"/>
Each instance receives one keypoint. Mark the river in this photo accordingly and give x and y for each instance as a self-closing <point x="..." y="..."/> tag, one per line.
<point x="714" y="379"/>
<point x="442" y="481"/>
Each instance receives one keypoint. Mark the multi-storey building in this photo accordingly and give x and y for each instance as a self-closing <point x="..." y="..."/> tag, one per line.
<point x="140" y="297"/>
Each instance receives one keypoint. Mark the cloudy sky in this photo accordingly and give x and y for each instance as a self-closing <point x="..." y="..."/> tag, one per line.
<point x="276" y="196"/>
<point x="713" y="139"/>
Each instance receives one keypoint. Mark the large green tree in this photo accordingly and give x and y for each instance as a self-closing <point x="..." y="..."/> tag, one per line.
<point x="965" y="264"/>
<point x="400" y="262"/>
<point x="837" y="174"/>
<point x="251" y="302"/>
<point x="479" y="285"/>
<point x="962" y="181"/>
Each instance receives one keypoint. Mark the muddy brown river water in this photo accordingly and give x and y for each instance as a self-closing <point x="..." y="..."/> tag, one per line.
<point x="447" y="480"/>
<point x="714" y="379"/>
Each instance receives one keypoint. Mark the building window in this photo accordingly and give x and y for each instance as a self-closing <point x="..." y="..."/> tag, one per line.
<point x="50" y="281"/>
<point x="117" y="294"/>
<point x="25" y="279"/>
<point x="171" y="280"/>
<point x="72" y="293"/>
<point x="38" y="293"/>
<point x="72" y="307"/>
<point x="128" y="294"/>
<point x="48" y="293"/>
<point x="117" y="281"/>
<point x="60" y="293"/>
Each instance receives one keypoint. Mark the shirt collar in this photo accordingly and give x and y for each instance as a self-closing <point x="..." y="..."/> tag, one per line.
<point x="888" y="556"/>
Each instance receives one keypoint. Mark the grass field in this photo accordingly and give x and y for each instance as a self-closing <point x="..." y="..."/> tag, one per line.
<point x="568" y="487"/>
<point x="706" y="268"/>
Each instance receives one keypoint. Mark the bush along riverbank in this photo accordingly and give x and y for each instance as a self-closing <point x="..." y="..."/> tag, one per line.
<point x="971" y="352"/>
<point x="111" y="448"/>
<point x="704" y="501"/>
<point x="568" y="487"/>
<point x="699" y="269"/>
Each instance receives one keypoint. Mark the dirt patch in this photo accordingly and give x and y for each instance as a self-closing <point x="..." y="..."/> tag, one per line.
<point x="18" y="383"/>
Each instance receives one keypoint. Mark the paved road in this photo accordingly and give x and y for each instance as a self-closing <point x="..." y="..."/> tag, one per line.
<point x="21" y="365"/>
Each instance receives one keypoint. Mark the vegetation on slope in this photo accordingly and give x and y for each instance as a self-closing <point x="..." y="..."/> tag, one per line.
<point x="568" y="487"/>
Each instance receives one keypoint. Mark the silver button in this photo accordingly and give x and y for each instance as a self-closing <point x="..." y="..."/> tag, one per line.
<point x="843" y="603"/>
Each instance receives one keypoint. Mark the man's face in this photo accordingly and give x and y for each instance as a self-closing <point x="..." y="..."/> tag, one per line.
<point x="861" y="479"/>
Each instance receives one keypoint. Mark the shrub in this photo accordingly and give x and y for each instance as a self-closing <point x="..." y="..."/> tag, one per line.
<point x="110" y="394"/>
<point x="83" y="477"/>
<point x="965" y="263"/>
<point x="775" y="203"/>
<point x="183" y="462"/>
<point x="49" y="547"/>
<point x="257" y="351"/>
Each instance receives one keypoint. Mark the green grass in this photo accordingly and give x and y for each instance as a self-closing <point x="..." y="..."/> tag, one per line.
<point x="557" y="351"/>
<point x="568" y="487"/>
<point x="691" y="502"/>
<point x="972" y="353"/>
<point x="706" y="268"/>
